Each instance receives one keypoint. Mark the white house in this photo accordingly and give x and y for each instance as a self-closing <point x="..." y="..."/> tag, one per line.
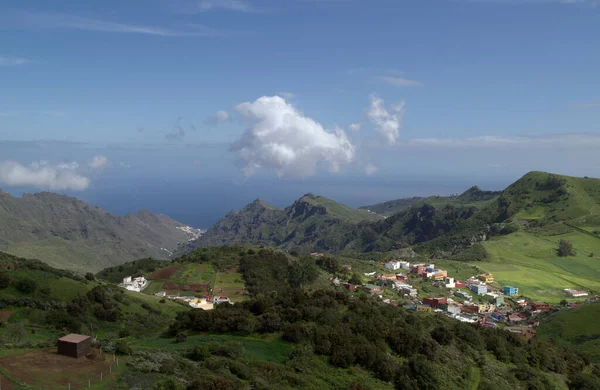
<point x="450" y="282"/>
<point x="370" y="273"/>
<point x="222" y="299"/>
<point x="392" y="264"/>
<point x="405" y="265"/>
<point x="576" y="293"/>
<point x="134" y="284"/>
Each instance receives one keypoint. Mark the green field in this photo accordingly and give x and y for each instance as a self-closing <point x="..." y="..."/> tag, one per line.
<point x="579" y="328"/>
<point x="269" y="349"/>
<point x="529" y="262"/>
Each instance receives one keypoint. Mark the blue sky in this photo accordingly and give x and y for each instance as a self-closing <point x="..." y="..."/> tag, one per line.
<point x="488" y="88"/>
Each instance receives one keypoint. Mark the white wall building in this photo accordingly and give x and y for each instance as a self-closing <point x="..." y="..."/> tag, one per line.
<point x="392" y="264"/>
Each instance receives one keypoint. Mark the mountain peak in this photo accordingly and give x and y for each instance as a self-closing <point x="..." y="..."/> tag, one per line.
<point x="257" y="204"/>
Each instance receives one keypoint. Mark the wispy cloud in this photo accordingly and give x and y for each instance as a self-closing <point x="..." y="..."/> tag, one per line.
<point x="14" y="61"/>
<point x="199" y="6"/>
<point x="387" y="122"/>
<point x="587" y="105"/>
<point x="36" y="20"/>
<point x="400" y="81"/>
<point x="592" y="3"/>
<point x="218" y="117"/>
<point x="55" y="113"/>
<point x="504" y="142"/>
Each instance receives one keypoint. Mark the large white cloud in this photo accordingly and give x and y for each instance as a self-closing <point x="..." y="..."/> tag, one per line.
<point x="41" y="175"/>
<point x="387" y="122"/>
<point x="281" y="138"/>
<point x="98" y="162"/>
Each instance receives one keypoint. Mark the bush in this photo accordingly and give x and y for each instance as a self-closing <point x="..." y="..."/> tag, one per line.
<point x="26" y="285"/>
<point x="181" y="336"/>
<point x="90" y="276"/>
<point x="4" y="281"/>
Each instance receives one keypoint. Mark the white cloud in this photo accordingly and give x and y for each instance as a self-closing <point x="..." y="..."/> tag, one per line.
<point x="39" y="20"/>
<point x="281" y="138"/>
<point x="98" y="162"/>
<point x="41" y="175"/>
<point x="124" y="165"/>
<point x="370" y="169"/>
<point x="400" y="81"/>
<point x="218" y="117"/>
<point x="388" y="123"/>
<point x="71" y="166"/>
<point x="14" y="61"/>
<point x="355" y="126"/>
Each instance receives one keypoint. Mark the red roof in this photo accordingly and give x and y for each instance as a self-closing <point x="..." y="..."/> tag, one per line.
<point x="223" y="298"/>
<point x="74" y="338"/>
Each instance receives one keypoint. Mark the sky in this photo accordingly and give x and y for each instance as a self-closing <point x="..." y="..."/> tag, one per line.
<point x="296" y="91"/>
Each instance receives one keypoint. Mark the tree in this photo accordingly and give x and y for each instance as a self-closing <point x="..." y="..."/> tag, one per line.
<point x="564" y="303"/>
<point x="89" y="276"/>
<point x="565" y="249"/>
<point x="26" y="285"/>
<point x="355" y="279"/>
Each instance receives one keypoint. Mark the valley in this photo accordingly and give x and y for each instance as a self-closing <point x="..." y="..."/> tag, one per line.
<point x="261" y="290"/>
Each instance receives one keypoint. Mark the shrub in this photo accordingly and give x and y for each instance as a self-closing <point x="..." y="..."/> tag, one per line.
<point x="4" y="281"/>
<point x="90" y="276"/>
<point x="181" y="336"/>
<point x="26" y="285"/>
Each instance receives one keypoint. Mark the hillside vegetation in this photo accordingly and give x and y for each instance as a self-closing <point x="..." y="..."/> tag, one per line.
<point x="578" y="328"/>
<point x="331" y="339"/>
<point x="311" y="222"/>
<point x="474" y="196"/>
<point x="67" y="233"/>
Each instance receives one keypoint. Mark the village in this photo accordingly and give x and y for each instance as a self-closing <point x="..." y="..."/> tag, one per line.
<point x="419" y="286"/>
<point x="478" y="299"/>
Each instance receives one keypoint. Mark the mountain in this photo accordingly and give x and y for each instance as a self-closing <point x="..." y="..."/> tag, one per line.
<point x="311" y="222"/>
<point x="474" y="196"/>
<point x="68" y="233"/>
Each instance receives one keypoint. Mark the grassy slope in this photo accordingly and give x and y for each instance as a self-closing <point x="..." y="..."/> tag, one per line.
<point x="530" y="262"/>
<point x="577" y="328"/>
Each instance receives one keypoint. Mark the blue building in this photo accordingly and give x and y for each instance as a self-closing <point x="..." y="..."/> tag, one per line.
<point x="510" y="291"/>
<point x="478" y="288"/>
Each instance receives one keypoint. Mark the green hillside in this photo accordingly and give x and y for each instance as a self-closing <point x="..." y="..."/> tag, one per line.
<point x="67" y="233"/>
<point x="578" y="328"/>
<point x="548" y="208"/>
<point x="287" y="334"/>
<point x="473" y="197"/>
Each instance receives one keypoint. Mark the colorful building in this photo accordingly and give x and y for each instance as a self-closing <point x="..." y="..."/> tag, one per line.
<point x="510" y="291"/>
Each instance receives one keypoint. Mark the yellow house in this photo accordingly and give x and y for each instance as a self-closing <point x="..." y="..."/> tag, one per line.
<point x="487" y="278"/>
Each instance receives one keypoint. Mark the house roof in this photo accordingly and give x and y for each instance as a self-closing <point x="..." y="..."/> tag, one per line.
<point x="74" y="338"/>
